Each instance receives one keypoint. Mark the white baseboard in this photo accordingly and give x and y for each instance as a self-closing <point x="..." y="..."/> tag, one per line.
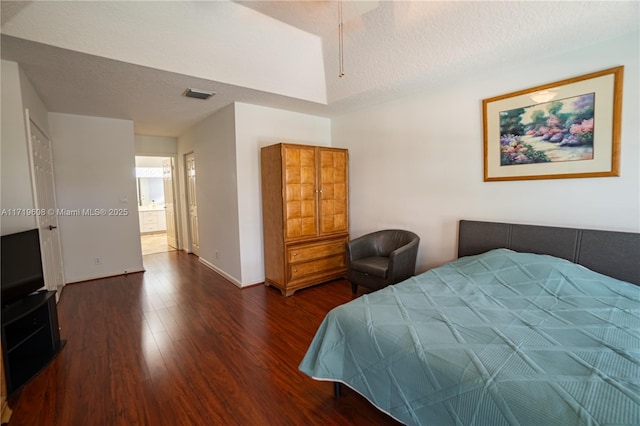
<point x="77" y="280"/>
<point x="221" y="272"/>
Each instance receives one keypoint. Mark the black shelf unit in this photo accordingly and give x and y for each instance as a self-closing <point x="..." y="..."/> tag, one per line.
<point x="30" y="337"/>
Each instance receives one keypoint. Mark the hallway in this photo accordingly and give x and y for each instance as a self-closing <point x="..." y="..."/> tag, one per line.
<point x="155" y="243"/>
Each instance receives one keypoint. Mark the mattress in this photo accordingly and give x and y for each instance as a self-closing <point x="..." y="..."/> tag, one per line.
<point x="497" y="338"/>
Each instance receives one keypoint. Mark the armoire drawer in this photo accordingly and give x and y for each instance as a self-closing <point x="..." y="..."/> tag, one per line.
<point x="316" y="267"/>
<point x="306" y="252"/>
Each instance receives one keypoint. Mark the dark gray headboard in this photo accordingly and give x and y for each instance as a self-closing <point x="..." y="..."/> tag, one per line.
<point x="616" y="254"/>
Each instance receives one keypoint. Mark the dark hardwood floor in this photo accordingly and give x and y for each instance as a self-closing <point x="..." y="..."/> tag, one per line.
<point x="179" y="345"/>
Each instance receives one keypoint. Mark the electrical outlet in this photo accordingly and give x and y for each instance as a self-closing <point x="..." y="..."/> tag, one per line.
<point x="98" y="261"/>
<point x="217" y="254"/>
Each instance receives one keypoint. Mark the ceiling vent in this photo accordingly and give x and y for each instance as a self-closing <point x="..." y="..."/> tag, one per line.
<point x="199" y="94"/>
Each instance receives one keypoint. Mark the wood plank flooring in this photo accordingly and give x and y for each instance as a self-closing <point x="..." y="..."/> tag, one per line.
<point x="180" y="345"/>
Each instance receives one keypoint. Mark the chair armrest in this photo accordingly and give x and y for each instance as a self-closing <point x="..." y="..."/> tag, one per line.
<point x="402" y="262"/>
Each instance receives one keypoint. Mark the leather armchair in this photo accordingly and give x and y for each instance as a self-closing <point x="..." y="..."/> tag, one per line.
<point x="381" y="258"/>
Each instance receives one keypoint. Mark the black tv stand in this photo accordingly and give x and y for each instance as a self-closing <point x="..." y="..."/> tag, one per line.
<point x="30" y="337"/>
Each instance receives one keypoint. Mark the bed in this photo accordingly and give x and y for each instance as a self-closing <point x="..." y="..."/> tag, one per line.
<point x="530" y="325"/>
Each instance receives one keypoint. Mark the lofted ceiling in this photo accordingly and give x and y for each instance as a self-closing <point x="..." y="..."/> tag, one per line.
<point x="134" y="60"/>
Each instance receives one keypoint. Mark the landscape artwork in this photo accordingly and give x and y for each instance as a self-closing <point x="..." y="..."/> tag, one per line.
<point x="560" y="130"/>
<point x="555" y="131"/>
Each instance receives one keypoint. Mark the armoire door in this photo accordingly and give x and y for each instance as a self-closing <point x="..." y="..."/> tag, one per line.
<point x="334" y="191"/>
<point x="300" y="204"/>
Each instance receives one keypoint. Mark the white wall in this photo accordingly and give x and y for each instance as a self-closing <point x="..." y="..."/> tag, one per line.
<point x="256" y="127"/>
<point x="31" y="100"/>
<point x="95" y="169"/>
<point x="417" y="162"/>
<point x="213" y="143"/>
<point x="156" y="145"/>
<point x="16" y="180"/>
<point x="17" y="94"/>
<point x="223" y="29"/>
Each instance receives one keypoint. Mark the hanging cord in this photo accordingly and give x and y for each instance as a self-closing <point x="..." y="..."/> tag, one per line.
<point x="340" y="40"/>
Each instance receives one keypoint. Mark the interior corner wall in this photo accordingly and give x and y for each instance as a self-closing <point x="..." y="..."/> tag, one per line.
<point x="417" y="162"/>
<point x="258" y="126"/>
<point x="212" y="141"/>
<point x="94" y="168"/>
<point x="227" y="152"/>
<point x="16" y="188"/>
<point x="37" y="110"/>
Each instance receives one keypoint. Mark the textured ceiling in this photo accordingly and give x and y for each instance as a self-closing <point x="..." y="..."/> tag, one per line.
<point x="133" y="60"/>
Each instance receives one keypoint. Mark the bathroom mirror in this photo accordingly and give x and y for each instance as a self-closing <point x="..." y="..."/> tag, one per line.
<point x="150" y="192"/>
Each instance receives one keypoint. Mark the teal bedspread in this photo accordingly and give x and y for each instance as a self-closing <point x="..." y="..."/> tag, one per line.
<point x="498" y="338"/>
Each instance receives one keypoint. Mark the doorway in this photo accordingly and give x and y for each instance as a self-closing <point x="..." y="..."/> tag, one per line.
<point x="156" y="204"/>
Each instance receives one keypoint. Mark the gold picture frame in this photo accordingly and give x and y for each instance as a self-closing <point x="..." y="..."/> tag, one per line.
<point x="566" y="129"/>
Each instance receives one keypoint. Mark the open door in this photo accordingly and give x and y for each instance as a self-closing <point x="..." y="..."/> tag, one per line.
<point x="192" y="202"/>
<point x="169" y="202"/>
<point x="45" y="201"/>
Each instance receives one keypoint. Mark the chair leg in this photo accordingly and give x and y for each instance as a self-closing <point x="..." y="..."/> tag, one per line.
<point x="354" y="288"/>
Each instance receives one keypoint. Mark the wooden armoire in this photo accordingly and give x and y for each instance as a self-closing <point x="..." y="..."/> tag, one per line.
<point x="305" y="214"/>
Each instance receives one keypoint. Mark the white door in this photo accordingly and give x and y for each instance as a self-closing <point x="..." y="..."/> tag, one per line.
<point x="45" y="204"/>
<point x="169" y="202"/>
<point x="192" y="203"/>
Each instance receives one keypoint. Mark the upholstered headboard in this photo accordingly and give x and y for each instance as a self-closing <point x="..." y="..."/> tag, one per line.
<point x="616" y="254"/>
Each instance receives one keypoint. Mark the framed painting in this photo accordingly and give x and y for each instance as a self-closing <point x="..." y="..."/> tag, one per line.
<point x="565" y="129"/>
